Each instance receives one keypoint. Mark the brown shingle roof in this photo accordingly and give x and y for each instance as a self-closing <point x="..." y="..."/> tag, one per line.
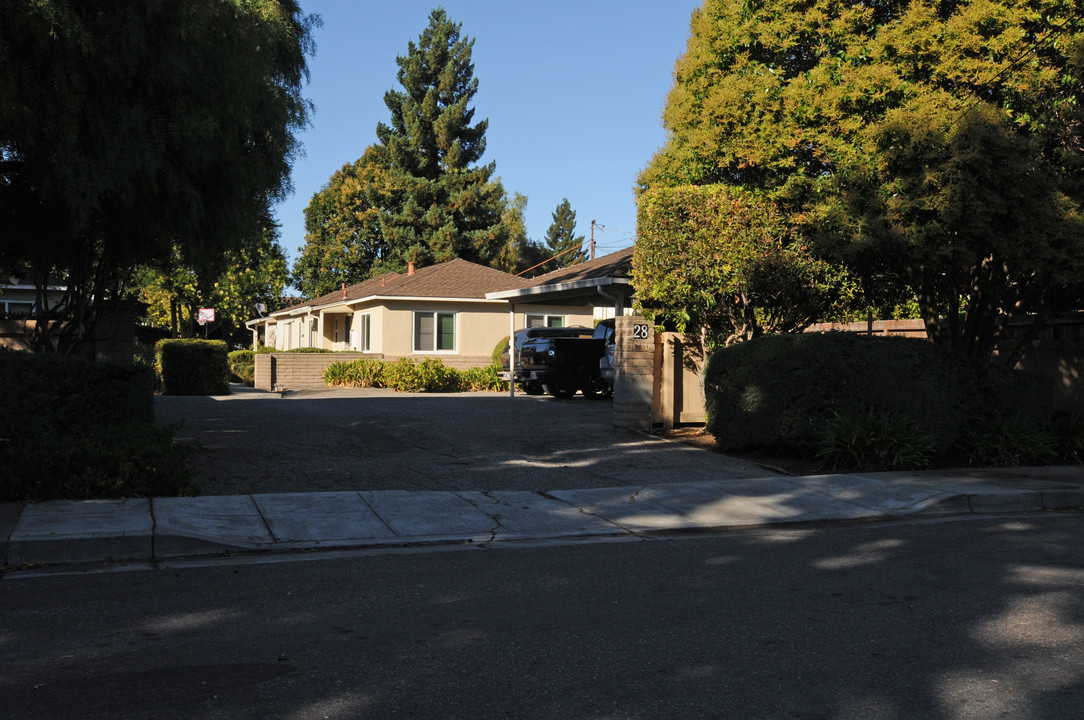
<point x="615" y="264"/>
<point x="453" y="279"/>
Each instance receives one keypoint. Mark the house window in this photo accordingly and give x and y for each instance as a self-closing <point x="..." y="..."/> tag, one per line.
<point x="312" y="332"/>
<point x="434" y="332"/>
<point x="366" y="325"/>
<point x="14" y="308"/>
<point x="555" y="321"/>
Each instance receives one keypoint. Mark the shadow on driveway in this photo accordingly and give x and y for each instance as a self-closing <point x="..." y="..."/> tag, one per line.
<point x="252" y="442"/>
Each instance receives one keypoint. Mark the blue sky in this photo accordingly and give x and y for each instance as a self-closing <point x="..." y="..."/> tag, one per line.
<point x="573" y="91"/>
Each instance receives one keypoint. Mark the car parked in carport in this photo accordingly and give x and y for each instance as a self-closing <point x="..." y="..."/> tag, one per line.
<point x="562" y="361"/>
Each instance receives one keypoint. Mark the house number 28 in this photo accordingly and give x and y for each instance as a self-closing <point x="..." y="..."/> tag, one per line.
<point x="639" y="331"/>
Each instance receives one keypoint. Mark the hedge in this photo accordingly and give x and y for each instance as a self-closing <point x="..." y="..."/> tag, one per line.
<point x="193" y="367"/>
<point x="780" y="391"/>
<point x="78" y="429"/>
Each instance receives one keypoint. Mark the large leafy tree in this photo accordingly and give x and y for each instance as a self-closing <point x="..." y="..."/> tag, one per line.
<point x="419" y="193"/>
<point x="129" y="130"/>
<point x="930" y="146"/>
<point x="344" y="237"/>
<point x="723" y="264"/>
<point x="561" y="237"/>
<point x="251" y="275"/>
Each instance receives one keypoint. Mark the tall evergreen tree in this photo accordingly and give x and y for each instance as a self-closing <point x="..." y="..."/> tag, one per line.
<point x="561" y="237"/>
<point x="450" y="206"/>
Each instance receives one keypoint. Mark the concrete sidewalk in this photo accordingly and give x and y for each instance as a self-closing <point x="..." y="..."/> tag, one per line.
<point x="151" y="530"/>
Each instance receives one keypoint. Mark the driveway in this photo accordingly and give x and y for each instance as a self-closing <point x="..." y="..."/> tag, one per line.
<point x="333" y="440"/>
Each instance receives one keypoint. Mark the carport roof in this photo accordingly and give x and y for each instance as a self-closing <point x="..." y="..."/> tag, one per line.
<point x="606" y="276"/>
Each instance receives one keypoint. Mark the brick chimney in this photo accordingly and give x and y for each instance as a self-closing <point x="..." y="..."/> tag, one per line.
<point x="410" y="268"/>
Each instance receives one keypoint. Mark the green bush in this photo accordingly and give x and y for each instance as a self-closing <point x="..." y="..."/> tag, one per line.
<point x="242" y="365"/>
<point x="363" y="373"/>
<point x="308" y="350"/>
<point x="122" y="461"/>
<point x="193" y="367"/>
<point x="409" y="375"/>
<point x="429" y="375"/>
<point x="499" y="350"/>
<point x="873" y="440"/>
<point x="1069" y="431"/>
<point x="780" y="391"/>
<point x="1009" y="439"/>
<point x="480" y="379"/>
<point x="78" y="429"/>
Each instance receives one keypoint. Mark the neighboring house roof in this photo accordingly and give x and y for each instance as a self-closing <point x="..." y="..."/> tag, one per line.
<point x="605" y="278"/>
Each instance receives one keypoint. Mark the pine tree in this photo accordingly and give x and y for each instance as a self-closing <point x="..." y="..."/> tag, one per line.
<point x="561" y="237"/>
<point x="450" y="207"/>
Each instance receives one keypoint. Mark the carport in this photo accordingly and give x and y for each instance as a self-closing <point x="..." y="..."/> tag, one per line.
<point x="602" y="282"/>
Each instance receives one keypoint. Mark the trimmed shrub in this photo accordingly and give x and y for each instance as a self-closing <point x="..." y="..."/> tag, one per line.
<point x="193" y="367"/>
<point x="304" y="350"/>
<point x="76" y="429"/>
<point x="780" y="391"/>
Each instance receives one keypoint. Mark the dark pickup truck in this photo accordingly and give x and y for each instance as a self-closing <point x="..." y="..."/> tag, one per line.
<point x="562" y="361"/>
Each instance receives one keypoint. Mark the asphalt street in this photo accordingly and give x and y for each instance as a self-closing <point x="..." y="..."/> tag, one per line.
<point x="950" y="618"/>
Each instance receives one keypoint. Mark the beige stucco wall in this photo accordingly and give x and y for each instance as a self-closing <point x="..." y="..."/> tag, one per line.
<point x="479" y="325"/>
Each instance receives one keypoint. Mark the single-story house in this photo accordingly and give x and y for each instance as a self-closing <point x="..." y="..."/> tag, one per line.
<point x="442" y="310"/>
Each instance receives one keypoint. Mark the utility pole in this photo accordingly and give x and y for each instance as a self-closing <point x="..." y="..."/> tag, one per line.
<point x="592" y="239"/>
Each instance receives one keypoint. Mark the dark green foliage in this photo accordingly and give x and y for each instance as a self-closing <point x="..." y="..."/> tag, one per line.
<point x="780" y="391"/>
<point x="1010" y="439"/>
<point x="76" y="429"/>
<point x="193" y="367"/>
<point x="872" y="440"/>
<point x="126" y="126"/>
<point x="242" y="366"/>
<point x="1069" y="430"/>
<point x="122" y="461"/>
<point x="561" y="237"/>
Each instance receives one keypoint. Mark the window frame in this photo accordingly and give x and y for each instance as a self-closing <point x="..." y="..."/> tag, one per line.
<point x="435" y="315"/>
<point x="546" y="318"/>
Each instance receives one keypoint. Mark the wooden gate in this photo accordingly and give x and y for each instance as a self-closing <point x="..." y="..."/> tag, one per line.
<point x="679" y="396"/>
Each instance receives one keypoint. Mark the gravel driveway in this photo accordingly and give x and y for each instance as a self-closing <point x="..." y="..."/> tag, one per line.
<point x="332" y="440"/>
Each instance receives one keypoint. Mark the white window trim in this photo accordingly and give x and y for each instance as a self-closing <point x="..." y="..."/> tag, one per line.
<point x="434" y="351"/>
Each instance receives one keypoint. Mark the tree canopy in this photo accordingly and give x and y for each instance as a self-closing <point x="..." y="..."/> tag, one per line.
<point x="561" y="237"/>
<point x="131" y="129"/>
<point x="418" y="194"/>
<point x="723" y="263"/>
<point x="927" y="145"/>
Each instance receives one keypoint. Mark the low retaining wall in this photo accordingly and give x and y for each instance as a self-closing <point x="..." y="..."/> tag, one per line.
<point x="305" y="371"/>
